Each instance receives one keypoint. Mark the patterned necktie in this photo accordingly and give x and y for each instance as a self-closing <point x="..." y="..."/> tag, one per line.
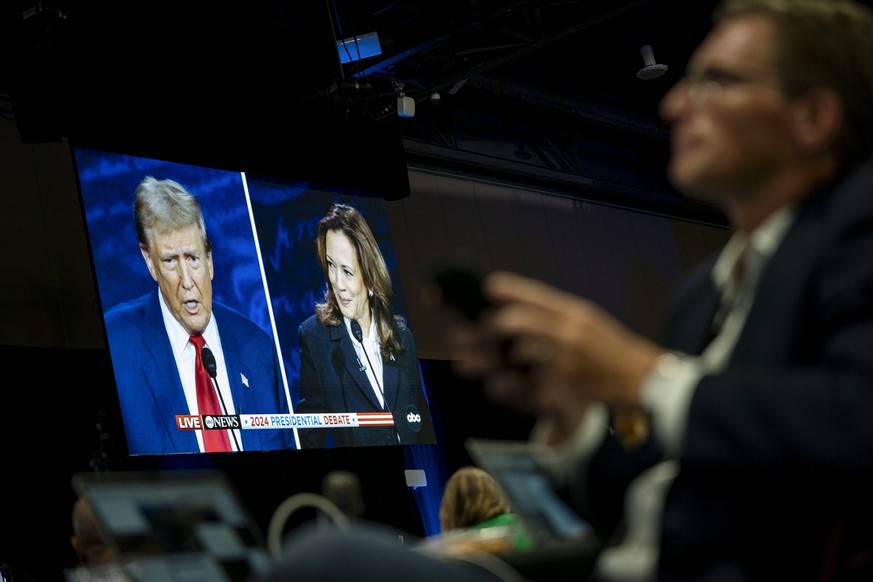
<point x="207" y="401"/>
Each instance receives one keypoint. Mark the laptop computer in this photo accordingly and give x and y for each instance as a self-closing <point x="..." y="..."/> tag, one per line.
<point x="565" y="545"/>
<point x="175" y="526"/>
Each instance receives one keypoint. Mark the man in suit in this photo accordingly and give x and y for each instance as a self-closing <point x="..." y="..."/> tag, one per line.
<point x="150" y="337"/>
<point x="739" y="448"/>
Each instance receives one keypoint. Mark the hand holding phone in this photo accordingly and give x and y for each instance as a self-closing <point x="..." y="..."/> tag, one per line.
<point x="458" y="287"/>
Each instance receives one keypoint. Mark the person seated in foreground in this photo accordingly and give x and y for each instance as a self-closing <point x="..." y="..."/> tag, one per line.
<point x="89" y="546"/>
<point x="475" y="515"/>
<point x="96" y="562"/>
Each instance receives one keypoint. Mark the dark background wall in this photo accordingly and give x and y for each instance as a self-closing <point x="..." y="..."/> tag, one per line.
<point x="58" y="394"/>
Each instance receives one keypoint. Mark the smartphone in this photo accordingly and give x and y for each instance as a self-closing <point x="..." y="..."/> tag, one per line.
<point x="458" y="287"/>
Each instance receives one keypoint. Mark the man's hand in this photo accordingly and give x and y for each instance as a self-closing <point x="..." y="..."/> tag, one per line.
<point x="548" y="352"/>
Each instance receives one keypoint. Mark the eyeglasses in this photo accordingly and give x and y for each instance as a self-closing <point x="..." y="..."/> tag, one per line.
<point x="711" y="84"/>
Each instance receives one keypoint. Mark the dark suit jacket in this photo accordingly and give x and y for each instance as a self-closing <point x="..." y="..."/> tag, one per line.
<point x="150" y="391"/>
<point x="331" y="380"/>
<point x="779" y="445"/>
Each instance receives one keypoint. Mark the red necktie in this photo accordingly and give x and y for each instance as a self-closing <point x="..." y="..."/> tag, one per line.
<point x="207" y="401"/>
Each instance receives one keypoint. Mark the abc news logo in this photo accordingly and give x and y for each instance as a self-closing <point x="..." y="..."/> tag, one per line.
<point x="413" y="418"/>
<point x="207" y="422"/>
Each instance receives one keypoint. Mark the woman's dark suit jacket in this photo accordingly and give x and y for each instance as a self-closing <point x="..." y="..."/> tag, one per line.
<point x="333" y="380"/>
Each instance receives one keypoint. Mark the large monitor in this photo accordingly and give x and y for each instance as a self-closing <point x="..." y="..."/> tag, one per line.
<point x="264" y="269"/>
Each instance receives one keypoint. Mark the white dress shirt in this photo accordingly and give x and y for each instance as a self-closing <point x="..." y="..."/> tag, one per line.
<point x="185" y="353"/>
<point x="369" y="357"/>
<point x="667" y="396"/>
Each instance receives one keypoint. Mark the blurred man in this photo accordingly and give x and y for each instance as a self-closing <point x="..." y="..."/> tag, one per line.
<point x="760" y="396"/>
<point x="740" y="448"/>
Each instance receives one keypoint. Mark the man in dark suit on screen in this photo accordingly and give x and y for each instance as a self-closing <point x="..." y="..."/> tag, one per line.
<point x="152" y="338"/>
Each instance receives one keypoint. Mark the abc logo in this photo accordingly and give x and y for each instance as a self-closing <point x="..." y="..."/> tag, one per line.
<point x="413" y="418"/>
<point x="209" y="422"/>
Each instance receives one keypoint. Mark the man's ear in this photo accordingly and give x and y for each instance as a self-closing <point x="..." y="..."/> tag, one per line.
<point x="148" y="261"/>
<point x="818" y="122"/>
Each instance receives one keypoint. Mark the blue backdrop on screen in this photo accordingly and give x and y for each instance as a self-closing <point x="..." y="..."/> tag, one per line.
<point x="263" y="232"/>
<point x="108" y="182"/>
<point x="286" y="216"/>
<point x="283" y="222"/>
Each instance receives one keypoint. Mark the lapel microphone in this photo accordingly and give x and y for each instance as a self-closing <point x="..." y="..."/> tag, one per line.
<point x="359" y="335"/>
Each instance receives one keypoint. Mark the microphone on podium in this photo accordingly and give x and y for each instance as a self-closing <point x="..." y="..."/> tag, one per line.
<point x="209" y="362"/>
<point x="359" y="335"/>
<point x="357" y="332"/>
<point x="212" y="369"/>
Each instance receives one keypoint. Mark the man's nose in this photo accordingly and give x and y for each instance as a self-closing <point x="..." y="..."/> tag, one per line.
<point x="185" y="275"/>
<point x="673" y="102"/>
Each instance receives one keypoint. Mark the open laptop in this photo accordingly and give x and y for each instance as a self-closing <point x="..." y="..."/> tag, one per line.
<point x="175" y="526"/>
<point x="564" y="544"/>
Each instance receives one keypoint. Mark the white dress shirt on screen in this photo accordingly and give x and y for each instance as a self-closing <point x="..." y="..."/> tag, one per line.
<point x="185" y="354"/>
<point x="371" y="360"/>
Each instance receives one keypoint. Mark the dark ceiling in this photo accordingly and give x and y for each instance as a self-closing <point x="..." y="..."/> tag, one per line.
<point x="577" y="56"/>
<point x="556" y="81"/>
<point x="560" y="55"/>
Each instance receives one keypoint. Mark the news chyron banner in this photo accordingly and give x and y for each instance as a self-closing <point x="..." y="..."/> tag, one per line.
<point x="286" y="421"/>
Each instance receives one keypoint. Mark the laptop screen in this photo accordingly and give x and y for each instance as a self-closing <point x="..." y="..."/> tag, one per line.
<point x="177" y="526"/>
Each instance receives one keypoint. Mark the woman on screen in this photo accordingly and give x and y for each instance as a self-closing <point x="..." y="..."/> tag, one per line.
<point x="356" y="354"/>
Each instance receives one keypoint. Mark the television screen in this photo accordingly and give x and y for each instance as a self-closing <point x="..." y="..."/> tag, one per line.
<point x="299" y="333"/>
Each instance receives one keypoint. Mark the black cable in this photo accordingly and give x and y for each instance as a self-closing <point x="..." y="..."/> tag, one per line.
<point x="359" y="335"/>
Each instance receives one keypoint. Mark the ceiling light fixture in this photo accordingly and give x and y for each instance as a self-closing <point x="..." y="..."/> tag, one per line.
<point x="405" y="106"/>
<point x="652" y="70"/>
<point x="405" y="103"/>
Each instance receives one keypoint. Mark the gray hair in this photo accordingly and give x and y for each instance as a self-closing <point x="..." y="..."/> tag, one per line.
<point x="166" y="204"/>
